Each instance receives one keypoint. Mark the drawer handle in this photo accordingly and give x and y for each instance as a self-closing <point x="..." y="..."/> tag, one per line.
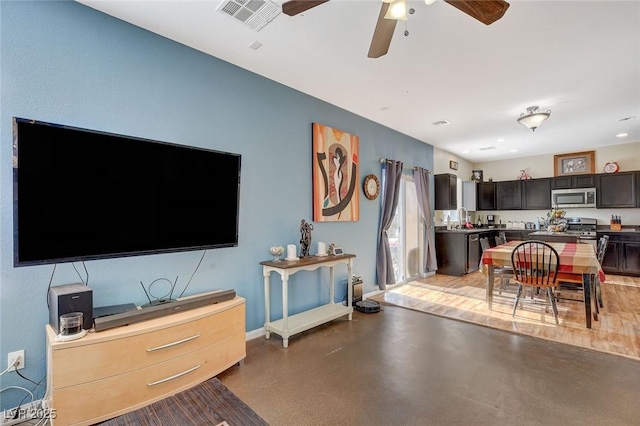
<point x="175" y="376"/>
<point x="168" y="345"/>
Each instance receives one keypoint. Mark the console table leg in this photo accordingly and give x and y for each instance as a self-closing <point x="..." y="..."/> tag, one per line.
<point x="332" y="285"/>
<point x="285" y="309"/>
<point x="267" y="314"/>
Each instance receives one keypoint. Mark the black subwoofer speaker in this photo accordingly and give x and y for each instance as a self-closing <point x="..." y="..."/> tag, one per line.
<point x="67" y="298"/>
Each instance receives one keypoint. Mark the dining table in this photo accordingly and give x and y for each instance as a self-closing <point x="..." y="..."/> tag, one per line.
<point x="574" y="258"/>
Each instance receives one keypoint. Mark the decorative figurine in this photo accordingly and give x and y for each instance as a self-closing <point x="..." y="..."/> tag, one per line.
<point x="523" y="175"/>
<point x="331" y="248"/>
<point x="305" y="239"/>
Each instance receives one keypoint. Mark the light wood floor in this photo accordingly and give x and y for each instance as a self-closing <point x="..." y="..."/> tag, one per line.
<point x="463" y="298"/>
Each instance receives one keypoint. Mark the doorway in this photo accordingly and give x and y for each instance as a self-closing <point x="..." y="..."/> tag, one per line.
<point x="405" y="233"/>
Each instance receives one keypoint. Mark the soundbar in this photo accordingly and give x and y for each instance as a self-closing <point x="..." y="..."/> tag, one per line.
<point x="130" y="317"/>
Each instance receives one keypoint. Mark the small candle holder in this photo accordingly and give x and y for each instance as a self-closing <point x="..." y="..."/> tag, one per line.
<point x="276" y="251"/>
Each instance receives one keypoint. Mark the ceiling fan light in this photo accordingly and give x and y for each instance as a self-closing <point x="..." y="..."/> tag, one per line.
<point x="397" y="10"/>
<point x="533" y="118"/>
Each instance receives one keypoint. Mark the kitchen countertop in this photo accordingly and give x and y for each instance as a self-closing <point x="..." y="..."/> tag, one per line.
<point x="631" y="230"/>
<point x="478" y="230"/>
<point x="533" y="231"/>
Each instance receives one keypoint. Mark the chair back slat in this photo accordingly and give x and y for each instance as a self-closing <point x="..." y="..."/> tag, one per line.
<point x="484" y="243"/>
<point x="602" y="247"/>
<point x="535" y="263"/>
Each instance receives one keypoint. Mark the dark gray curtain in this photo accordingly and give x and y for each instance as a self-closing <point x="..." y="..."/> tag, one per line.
<point x="391" y="177"/>
<point x="421" y="178"/>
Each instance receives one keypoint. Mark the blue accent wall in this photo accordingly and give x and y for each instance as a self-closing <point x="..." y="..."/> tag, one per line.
<point x="65" y="63"/>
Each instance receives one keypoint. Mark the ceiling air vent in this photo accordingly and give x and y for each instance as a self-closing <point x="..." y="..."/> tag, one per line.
<point x="487" y="148"/>
<point x="255" y="14"/>
<point x="441" y="123"/>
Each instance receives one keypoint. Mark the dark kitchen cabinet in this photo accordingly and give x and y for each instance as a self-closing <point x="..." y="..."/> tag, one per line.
<point x="631" y="258"/>
<point x="616" y="190"/>
<point x="611" y="260"/>
<point x="536" y="194"/>
<point x="451" y="253"/>
<point x="487" y="196"/>
<point x="446" y="191"/>
<point x="457" y="252"/>
<point x="578" y="181"/>
<point x="509" y="195"/>
<point x="623" y="254"/>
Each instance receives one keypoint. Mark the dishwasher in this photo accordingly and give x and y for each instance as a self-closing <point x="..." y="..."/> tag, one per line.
<point x="473" y="252"/>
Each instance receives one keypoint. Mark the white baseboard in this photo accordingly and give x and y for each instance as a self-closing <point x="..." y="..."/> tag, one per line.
<point x="250" y="335"/>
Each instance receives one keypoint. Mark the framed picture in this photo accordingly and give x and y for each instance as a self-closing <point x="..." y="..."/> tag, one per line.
<point x="476" y="175"/>
<point x="453" y="165"/>
<point x="577" y="163"/>
<point x="336" y="186"/>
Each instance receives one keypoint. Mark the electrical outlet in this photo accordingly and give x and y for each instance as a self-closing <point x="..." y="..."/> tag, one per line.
<point x="12" y="357"/>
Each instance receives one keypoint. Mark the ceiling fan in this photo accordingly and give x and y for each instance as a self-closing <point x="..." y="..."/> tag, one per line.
<point x="485" y="11"/>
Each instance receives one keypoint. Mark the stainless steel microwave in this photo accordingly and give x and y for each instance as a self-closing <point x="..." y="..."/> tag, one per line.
<point x="578" y="197"/>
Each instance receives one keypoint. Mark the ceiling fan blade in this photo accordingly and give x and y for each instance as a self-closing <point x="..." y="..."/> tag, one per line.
<point x="485" y="11"/>
<point x="294" y="7"/>
<point x="382" y="34"/>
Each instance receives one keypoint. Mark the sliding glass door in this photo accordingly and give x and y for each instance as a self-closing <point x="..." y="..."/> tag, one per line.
<point x="405" y="234"/>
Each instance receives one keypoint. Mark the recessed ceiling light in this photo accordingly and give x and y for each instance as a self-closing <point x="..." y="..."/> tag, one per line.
<point x="622" y="135"/>
<point x="626" y="118"/>
<point x="465" y="152"/>
<point x="255" y="45"/>
<point x="513" y="150"/>
<point x="501" y="140"/>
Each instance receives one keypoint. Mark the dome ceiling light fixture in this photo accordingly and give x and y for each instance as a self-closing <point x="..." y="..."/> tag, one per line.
<point x="533" y="118"/>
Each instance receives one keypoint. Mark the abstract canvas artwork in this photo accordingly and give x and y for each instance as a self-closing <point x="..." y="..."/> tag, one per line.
<point x="335" y="175"/>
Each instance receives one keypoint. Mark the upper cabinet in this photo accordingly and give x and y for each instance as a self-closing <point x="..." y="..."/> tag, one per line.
<point x="578" y="181"/>
<point x="509" y="195"/>
<point x="536" y="194"/>
<point x="617" y="190"/>
<point x="613" y="190"/>
<point x="486" y="196"/>
<point x="446" y="191"/>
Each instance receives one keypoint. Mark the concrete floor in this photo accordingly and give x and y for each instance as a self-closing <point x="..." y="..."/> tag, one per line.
<point x="401" y="367"/>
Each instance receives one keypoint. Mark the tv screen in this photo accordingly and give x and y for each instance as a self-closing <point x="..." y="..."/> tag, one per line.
<point x="82" y="194"/>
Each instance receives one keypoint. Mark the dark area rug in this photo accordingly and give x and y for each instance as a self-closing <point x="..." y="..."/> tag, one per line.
<point x="209" y="403"/>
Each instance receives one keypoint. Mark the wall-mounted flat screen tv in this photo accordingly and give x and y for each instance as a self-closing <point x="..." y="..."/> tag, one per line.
<point x="83" y="194"/>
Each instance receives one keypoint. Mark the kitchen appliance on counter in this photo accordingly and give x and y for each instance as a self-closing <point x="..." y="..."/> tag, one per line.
<point x="577" y="197"/>
<point x="491" y="221"/>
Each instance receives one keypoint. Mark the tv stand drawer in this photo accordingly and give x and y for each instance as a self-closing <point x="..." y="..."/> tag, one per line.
<point x="106" y="374"/>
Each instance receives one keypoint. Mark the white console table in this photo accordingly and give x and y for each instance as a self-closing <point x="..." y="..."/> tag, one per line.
<point x="290" y="325"/>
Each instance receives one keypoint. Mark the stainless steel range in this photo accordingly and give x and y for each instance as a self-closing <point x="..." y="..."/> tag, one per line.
<point x="584" y="228"/>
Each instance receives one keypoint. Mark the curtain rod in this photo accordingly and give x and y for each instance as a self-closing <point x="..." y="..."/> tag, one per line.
<point x="384" y="160"/>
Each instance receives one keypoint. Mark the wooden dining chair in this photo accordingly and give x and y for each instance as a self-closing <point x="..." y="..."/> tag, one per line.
<point x="505" y="273"/>
<point x="603" y="242"/>
<point x="571" y="285"/>
<point x="501" y="238"/>
<point x="535" y="265"/>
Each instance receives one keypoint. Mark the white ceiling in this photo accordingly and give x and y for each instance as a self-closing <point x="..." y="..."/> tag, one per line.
<point x="579" y="59"/>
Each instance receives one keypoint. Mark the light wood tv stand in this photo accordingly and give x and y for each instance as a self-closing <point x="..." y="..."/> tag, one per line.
<point x="109" y="373"/>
